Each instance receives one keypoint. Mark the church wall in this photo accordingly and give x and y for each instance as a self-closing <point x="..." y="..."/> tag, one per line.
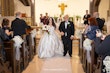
<point x="103" y="7"/>
<point x="74" y="7"/>
<point x="20" y="7"/>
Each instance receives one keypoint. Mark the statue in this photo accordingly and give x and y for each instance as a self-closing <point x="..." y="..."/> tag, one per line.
<point x="62" y="7"/>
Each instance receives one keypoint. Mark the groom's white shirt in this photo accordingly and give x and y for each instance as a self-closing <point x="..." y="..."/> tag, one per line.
<point x="66" y="23"/>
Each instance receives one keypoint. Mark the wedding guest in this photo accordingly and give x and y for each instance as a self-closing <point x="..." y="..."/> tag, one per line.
<point x="41" y="18"/>
<point x="18" y="25"/>
<point x="102" y="47"/>
<point x="85" y="18"/>
<point x="6" y="28"/>
<point x="45" y="21"/>
<point x="59" y="19"/>
<point x="3" y="37"/>
<point x="99" y="20"/>
<point x="90" y="30"/>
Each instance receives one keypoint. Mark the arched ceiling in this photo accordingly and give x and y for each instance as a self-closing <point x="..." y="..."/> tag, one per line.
<point x="26" y="2"/>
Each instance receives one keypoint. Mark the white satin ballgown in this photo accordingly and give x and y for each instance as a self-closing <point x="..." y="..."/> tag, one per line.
<point x="50" y="44"/>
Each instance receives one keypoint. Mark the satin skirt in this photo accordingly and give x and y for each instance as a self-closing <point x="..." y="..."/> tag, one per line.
<point x="50" y="45"/>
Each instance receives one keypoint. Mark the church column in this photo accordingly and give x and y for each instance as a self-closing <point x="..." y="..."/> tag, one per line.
<point x="91" y="6"/>
<point x="109" y="8"/>
<point x="94" y="5"/>
<point x="33" y="11"/>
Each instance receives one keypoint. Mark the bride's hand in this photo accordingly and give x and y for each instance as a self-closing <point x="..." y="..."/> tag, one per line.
<point x="62" y="33"/>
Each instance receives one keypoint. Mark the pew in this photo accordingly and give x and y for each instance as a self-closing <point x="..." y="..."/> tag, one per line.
<point x="10" y="54"/>
<point x="4" y="66"/>
<point x="83" y="54"/>
<point x="90" y="66"/>
<point x="17" y="65"/>
<point x="25" y="52"/>
<point x="81" y="51"/>
<point x="32" y="48"/>
<point x="95" y="65"/>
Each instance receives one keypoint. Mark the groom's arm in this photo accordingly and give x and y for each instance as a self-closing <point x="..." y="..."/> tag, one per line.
<point x="72" y="28"/>
<point x="60" y="27"/>
<point x="72" y="31"/>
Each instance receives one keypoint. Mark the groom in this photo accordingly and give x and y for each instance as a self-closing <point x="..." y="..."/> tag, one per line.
<point x="67" y="34"/>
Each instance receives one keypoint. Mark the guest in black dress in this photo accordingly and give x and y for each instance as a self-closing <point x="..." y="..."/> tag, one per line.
<point x="102" y="46"/>
<point x="3" y="37"/>
<point x="6" y="28"/>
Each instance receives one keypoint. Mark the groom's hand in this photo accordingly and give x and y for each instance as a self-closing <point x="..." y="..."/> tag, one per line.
<point x="62" y="33"/>
<point x="72" y="37"/>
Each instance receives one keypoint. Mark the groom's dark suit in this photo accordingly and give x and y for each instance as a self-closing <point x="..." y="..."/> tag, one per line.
<point x="68" y="29"/>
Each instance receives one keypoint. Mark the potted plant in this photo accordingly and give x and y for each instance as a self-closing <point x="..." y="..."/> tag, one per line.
<point x="78" y="17"/>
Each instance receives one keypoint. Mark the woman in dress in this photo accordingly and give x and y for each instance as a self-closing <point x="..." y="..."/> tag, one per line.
<point x="50" y="44"/>
<point x="6" y="28"/>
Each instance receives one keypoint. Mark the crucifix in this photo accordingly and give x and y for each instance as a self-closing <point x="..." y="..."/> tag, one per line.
<point x="62" y="7"/>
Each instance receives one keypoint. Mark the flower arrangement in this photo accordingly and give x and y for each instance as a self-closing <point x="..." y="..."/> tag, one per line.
<point x="78" y="17"/>
<point x="68" y="24"/>
<point x="46" y="28"/>
<point x="106" y="62"/>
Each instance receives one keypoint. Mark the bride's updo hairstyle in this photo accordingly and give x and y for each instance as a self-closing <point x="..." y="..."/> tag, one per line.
<point x="53" y="22"/>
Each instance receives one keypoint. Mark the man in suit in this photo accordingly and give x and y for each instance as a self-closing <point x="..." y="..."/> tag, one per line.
<point x="99" y="20"/>
<point x="19" y="25"/>
<point x="67" y="34"/>
<point x="86" y="16"/>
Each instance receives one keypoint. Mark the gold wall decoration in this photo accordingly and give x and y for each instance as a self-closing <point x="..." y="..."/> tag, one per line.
<point x="62" y="7"/>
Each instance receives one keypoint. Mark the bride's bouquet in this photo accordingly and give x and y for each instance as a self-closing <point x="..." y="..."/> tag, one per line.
<point x="46" y="28"/>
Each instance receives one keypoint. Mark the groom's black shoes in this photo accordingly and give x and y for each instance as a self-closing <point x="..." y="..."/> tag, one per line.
<point x="64" y="54"/>
<point x="70" y="55"/>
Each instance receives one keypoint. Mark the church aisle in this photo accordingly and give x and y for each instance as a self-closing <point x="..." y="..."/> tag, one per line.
<point x="57" y="64"/>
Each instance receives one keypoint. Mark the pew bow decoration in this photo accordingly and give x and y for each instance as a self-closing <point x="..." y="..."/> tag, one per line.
<point x="106" y="62"/>
<point x="18" y="41"/>
<point x="87" y="46"/>
<point x="33" y="34"/>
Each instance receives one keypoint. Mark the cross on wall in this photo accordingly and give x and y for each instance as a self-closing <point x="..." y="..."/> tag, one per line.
<point x="62" y="7"/>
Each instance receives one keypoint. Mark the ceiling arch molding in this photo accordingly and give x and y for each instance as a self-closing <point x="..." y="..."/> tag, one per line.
<point x="26" y="2"/>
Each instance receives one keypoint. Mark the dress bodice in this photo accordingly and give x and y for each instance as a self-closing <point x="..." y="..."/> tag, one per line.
<point x="51" y="30"/>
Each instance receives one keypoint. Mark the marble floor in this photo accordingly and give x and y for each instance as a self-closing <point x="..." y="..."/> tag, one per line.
<point x="57" y="64"/>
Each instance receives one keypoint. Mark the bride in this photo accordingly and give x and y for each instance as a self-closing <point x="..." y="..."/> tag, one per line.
<point x="50" y="44"/>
